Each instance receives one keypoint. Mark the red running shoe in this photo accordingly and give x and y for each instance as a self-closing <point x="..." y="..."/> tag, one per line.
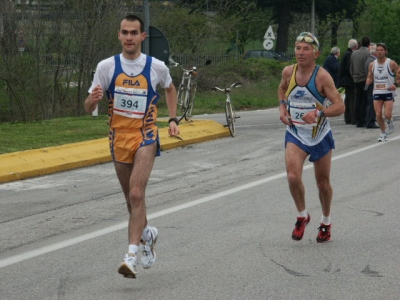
<point x="299" y="228"/>
<point x="324" y="234"/>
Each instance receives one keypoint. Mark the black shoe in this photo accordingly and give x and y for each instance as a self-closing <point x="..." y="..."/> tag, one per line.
<point x="360" y="125"/>
<point x="373" y="126"/>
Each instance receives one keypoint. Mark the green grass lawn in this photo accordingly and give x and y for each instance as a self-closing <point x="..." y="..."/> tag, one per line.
<point x="33" y="135"/>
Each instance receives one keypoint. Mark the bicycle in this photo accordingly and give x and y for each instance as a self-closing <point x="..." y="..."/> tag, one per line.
<point x="187" y="90"/>
<point x="229" y="112"/>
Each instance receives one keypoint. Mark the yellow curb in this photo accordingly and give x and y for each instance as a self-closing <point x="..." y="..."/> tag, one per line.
<point x="32" y="163"/>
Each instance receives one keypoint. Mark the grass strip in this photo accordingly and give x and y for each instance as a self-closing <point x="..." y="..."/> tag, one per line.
<point x="40" y="134"/>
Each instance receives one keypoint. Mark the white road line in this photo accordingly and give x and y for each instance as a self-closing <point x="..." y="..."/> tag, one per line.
<point x="57" y="246"/>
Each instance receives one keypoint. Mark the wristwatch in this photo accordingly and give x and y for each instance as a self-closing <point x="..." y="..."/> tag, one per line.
<point x="320" y="113"/>
<point x="396" y="84"/>
<point x="173" y="120"/>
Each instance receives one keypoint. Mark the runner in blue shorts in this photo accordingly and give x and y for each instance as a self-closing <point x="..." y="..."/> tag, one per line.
<point x="382" y="74"/>
<point x="315" y="152"/>
<point x="304" y="92"/>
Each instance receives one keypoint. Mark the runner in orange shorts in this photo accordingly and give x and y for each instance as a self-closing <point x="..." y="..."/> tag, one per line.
<point x="130" y="80"/>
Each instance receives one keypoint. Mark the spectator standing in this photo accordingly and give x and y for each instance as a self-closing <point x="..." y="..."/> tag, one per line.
<point x="370" y="119"/>
<point x="357" y="70"/>
<point x="346" y="81"/>
<point x="331" y="64"/>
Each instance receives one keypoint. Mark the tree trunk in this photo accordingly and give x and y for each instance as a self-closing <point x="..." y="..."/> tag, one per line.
<point x="334" y="33"/>
<point x="282" y="40"/>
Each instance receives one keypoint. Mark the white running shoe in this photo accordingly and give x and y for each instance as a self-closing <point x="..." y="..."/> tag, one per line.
<point x="390" y="126"/>
<point x="128" y="267"/>
<point x="383" y="137"/>
<point x="147" y="247"/>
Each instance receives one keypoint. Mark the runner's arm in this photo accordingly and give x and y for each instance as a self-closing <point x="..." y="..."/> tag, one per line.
<point x="283" y="86"/>
<point x="171" y="100"/>
<point x="369" y="76"/>
<point x="396" y="70"/>
<point x="99" y="84"/>
<point x="330" y="91"/>
<point x="93" y="99"/>
<point x="326" y="87"/>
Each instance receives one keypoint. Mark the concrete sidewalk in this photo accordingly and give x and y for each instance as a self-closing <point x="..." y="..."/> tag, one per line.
<point x="32" y="163"/>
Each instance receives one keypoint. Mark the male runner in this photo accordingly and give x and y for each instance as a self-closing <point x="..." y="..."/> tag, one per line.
<point x="304" y="92"/>
<point x="130" y="81"/>
<point x="382" y="72"/>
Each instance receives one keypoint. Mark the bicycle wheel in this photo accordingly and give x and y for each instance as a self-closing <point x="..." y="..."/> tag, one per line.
<point x="230" y="118"/>
<point x="183" y="95"/>
<point x="179" y="96"/>
<point x="190" y="103"/>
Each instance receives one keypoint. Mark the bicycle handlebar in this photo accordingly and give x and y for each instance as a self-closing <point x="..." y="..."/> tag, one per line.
<point x="191" y="70"/>
<point x="236" y="84"/>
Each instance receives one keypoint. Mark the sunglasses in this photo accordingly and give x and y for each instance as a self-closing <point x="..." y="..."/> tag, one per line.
<point x="308" y="38"/>
<point x="382" y="45"/>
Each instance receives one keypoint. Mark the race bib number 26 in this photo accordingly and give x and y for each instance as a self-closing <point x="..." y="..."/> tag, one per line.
<point x="297" y="112"/>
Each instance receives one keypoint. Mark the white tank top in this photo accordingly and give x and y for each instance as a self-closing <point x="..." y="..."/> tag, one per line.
<point x="383" y="77"/>
<point x="302" y="99"/>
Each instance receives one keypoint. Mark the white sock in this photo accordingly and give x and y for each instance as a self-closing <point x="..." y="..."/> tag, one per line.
<point x="133" y="249"/>
<point x="303" y="214"/>
<point x="326" y="220"/>
<point x="146" y="235"/>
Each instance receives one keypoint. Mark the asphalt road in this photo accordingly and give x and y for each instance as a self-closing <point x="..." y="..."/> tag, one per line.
<point x="225" y="216"/>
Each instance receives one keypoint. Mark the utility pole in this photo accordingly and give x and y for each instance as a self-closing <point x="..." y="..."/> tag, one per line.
<point x="313" y="17"/>
<point x="146" y="21"/>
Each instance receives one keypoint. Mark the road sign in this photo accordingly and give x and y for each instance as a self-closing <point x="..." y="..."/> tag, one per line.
<point x="159" y="45"/>
<point x="268" y="44"/>
<point x="269" y="34"/>
<point x="268" y="39"/>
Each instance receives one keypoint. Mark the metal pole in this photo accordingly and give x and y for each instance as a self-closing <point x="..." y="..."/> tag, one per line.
<point x="313" y="17"/>
<point x="146" y="21"/>
<point x="95" y="113"/>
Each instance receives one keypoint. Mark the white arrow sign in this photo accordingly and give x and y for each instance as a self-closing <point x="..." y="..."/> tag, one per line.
<point x="268" y="44"/>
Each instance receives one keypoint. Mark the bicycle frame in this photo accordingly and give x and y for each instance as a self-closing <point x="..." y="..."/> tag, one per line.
<point x="186" y="92"/>
<point x="187" y="89"/>
<point x="187" y="77"/>
<point x="229" y="112"/>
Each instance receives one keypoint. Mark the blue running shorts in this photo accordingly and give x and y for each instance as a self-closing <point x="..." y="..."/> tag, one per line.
<point x="384" y="97"/>
<point x="316" y="152"/>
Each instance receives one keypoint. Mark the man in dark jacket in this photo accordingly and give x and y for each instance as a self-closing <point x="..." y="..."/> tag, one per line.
<point x="346" y="81"/>
<point x="370" y="119"/>
<point x="357" y="70"/>
<point x="331" y="64"/>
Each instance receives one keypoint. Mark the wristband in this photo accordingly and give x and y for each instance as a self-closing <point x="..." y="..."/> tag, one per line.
<point x="173" y="120"/>
<point x="284" y="102"/>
